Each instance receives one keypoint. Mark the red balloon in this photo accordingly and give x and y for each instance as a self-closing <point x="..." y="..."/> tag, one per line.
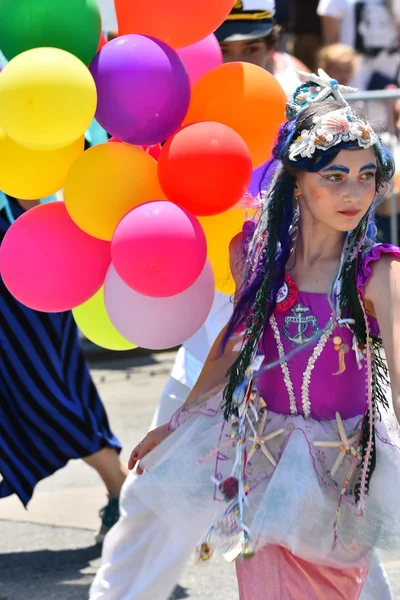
<point x="159" y="249"/>
<point x="102" y="42"/>
<point x="205" y="167"/>
<point x="48" y="263"/>
<point x="154" y="150"/>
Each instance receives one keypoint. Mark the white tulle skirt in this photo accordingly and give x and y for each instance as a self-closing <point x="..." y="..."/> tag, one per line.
<point x="296" y="504"/>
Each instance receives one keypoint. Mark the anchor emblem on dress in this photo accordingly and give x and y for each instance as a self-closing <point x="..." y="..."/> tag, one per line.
<point x="302" y="323"/>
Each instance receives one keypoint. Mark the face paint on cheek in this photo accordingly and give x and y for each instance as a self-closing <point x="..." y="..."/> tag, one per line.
<point x="318" y="194"/>
<point x="320" y="202"/>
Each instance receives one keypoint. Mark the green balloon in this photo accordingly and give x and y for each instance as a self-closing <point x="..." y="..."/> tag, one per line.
<point x="71" y="25"/>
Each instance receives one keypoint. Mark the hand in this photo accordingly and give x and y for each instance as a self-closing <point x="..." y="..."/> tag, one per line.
<point x="152" y="439"/>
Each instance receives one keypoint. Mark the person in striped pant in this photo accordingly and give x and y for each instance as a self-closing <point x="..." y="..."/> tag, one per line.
<point x="50" y="410"/>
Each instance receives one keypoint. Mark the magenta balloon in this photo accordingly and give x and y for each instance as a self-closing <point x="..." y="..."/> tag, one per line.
<point x="48" y="263"/>
<point x="201" y="57"/>
<point x="159" y="249"/>
<point x="142" y="87"/>
<point x="158" y="323"/>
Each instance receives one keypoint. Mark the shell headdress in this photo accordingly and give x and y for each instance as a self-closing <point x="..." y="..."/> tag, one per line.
<point x="340" y="125"/>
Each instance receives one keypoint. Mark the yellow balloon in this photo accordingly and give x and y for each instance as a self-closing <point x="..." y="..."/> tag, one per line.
<point x="105" y="183"/>
<point x="93" y="320"/>
<point x="47" y="98"/>
<point x="220" y="230"/>
<point x="32" y="174"/>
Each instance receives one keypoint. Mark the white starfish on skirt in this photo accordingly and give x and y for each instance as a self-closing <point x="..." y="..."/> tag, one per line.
<point x="259" y="441"/>
<point x="329" y="86"/>
<point x="345" y="445"/>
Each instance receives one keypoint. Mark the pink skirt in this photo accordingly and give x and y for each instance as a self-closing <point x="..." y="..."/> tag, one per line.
<point x="274" y="573"/>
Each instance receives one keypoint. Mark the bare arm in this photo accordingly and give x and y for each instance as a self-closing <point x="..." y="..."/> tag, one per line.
<point x="27" y="204"/>
<point x="383" y="292"/>
<point x="330" y="30"/>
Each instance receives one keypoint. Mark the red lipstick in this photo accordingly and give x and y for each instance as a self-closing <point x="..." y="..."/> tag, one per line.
<point x="349" y="213"/>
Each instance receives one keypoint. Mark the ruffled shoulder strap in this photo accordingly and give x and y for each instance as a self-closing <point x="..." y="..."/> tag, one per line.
<point x="373" y="254"/>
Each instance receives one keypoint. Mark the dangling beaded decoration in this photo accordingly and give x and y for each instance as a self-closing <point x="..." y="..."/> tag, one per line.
<point x="204" y="552"/>
<point x="368" y="426"/>
<point x="247" y="551"/>
<point x="229" y="488"/>
<point x="342" y="349"/>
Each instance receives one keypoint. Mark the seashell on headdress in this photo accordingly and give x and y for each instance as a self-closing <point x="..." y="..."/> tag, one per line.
<point x="340" y="125"/>
<point x="335" y="122"/>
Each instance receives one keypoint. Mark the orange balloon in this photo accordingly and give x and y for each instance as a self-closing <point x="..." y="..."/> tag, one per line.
<point x="220" y="231"/>
<point x="246" y="98"/>
<point x="105" y="183"/>
<point x="179" y="23"/>
<point x="396" y="181"/>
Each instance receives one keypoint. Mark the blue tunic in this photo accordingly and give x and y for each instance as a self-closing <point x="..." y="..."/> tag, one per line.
<point x="50" y="410"/>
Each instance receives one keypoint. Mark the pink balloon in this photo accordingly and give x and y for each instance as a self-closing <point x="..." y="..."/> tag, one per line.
<point x="48" y="263"/>
<point x="201" y="57"/>
<point x="158" y="323"/>
<point x="159" y="249"/>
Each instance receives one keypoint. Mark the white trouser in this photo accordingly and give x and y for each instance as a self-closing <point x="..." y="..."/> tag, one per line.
<point x="142" y="556"/>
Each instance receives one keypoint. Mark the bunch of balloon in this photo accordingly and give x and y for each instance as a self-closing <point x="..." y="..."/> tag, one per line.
<point x="142" y="239"/>
<point x="242" y="97"/>
<point x="160" y="286"/>
<point x="56" y="256"/>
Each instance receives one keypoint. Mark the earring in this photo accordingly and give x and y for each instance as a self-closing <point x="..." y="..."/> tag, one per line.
<point x="294" y="230"/>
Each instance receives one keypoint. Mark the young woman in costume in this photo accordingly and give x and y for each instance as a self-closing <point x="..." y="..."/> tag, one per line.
<point x="286" y="453"/>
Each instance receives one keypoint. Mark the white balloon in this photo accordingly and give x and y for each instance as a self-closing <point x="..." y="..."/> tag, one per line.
<point x="158" y="323"/>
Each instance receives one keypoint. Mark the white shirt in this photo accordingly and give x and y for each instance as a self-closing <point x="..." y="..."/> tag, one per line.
<point x="370" y="28"/>
<point x="288" y="77"/>
<point x="193" y="353"/>
<point x="108" y="16"/>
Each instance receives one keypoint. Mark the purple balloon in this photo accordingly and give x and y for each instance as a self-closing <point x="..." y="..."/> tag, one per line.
<point x="143" y="89"/>
<point x="257" y="184"/>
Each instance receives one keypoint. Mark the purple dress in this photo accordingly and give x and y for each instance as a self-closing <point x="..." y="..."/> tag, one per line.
<point x="301" y="453"/>
<point x="328" y="392"/>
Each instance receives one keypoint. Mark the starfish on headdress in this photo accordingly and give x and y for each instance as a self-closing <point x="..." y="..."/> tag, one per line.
<point x="259" y="441"/>
<point x="345" y="445"/>
<point x="329" y="87"/>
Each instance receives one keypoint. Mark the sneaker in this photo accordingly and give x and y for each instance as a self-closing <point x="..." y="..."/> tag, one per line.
<point x="109" y="516"/>
<point x="178" y="594"/>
